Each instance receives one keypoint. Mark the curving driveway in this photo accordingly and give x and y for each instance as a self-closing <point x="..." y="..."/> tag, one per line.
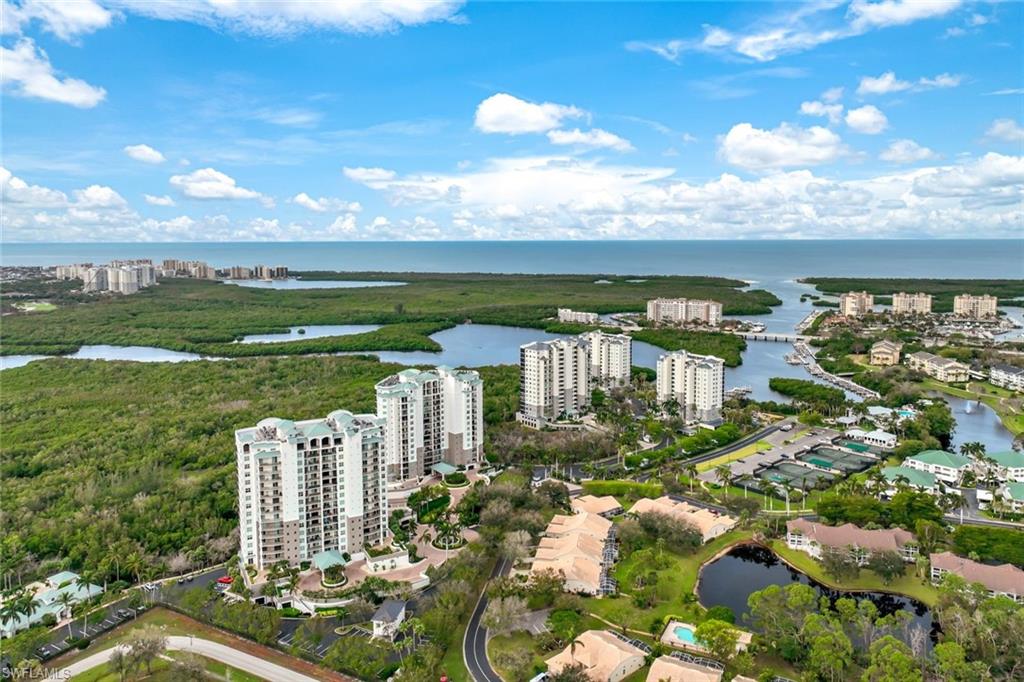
<point x="214" y="650"/>
<point x="474" y="643"/>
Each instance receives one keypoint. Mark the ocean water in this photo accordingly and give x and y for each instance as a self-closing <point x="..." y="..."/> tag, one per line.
<point x="763" y="262"/>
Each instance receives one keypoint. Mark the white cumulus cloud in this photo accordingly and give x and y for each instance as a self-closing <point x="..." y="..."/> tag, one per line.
<point x="208" y="183"/>
<point x="867" y="119"/>
<point x="1005" y="130"/>
<point x="144" y="153"/>
<point x="786" y="146"/>
<point x="503" y="113"/>
<point x="66" y="19"/>
<point x="324" y="204"/>
<point x="906" y="151"/>
<point x="867" y="13"/>
<point x="27" y="72"/>
<point x="163" y="200"/>
<point x="882" y="85"/>
<point x="594" y="138"/>
<point x="368" y="175"/>
<point x="834" y="112"/>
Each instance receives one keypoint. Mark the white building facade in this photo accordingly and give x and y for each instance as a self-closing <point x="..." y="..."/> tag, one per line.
<point x="855" y="303"/>
<point x="611" y="358"/>
<point x="975" y="307"/>
<point x="911" y="304"/>
<point x="554" y="380"/>
<point x="684" y="310"/>
<point x="430" y="417"/>
<point x="310" y="486"/>
<point x="576" y="316"/>
<point x="696" y="382"/>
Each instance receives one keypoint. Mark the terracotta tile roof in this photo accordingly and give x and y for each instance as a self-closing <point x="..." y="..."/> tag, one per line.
<point x="847" y="535"/>
<point x="595" y="505"/>
<point x="601" y="653"/>
<point x="674" y="670"/>
<point x="1005" y="578"/>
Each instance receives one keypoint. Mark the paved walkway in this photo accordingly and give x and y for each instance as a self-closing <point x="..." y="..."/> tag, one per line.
<point x="218" y="652"/>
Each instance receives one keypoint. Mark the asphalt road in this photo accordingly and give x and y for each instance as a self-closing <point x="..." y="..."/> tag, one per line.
<point x="218" y="652"/>
<point x="474" y="643"/>
<point x="733" y="447"/>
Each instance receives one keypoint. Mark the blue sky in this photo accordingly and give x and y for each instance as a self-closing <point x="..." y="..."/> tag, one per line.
<point x="132" y="120"/>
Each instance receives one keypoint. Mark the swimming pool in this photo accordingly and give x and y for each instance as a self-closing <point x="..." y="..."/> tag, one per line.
<point x="684" y="634"/>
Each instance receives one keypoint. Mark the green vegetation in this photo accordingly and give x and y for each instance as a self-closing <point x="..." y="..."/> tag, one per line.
<point x="942" y="289"/>
<point x="818" y="396"/>
<point x="729" y="347"/>
<point x="121" y="466"/>
<point x="759" y="446"/>
<point x="990" y="544"/>
<point x="907" y="583"/>
<point x="205" y="317"/>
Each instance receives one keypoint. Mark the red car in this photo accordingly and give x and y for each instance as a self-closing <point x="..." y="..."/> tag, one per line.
<point x="225" y="580"/>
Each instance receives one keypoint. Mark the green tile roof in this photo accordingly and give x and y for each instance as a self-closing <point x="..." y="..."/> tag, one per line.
<point x="1008" y="458"/>
<point x="443" y="468"/>
<point x="327" y="559"/>
<point x="942" y="458"/>
<point x="915" y="477"/>
<point x="1015" y="491"/>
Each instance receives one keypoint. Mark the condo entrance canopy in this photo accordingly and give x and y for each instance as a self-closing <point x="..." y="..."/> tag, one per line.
<point x="328" y="559"/>
<point x="443" y="468"/>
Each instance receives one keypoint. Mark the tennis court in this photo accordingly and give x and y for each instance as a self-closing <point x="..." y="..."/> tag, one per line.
<point x="830" y="458"/>
<point x="794" y="475"/>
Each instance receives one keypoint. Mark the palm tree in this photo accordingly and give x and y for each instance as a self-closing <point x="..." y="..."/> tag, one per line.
<point x="572" y="649"/>
<point x="66" y="600"/>
<point x="134" y="563"/>
<point x="10" y="612"/>
<point x="691" y="473"/>
<point x="724" y="474"/>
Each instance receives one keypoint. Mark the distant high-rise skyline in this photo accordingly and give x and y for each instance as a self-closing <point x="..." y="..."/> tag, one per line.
<point x="452" y="121"/>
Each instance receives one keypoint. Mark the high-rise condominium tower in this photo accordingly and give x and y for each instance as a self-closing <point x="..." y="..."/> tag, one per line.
<point x="310" y="486"/>
<point x="554" y="380"/>
<point x="696" y="382"/>
<point x="430" y="417"/>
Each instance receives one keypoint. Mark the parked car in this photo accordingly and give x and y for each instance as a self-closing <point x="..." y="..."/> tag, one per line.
<point x="225" y="580"/>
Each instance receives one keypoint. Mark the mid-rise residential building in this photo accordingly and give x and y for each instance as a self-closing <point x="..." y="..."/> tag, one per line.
<point x="611" y="358"/>
<point x="975" y="307"/>
<point x="1006" y="465"/>
<point x="73" y="271"/>
<point x="911" y="304"/>
<point x="914" y="478"/>
<point x="430" y="417"/>
<point x="695" y="382"/>
<point x="1004" y="580"/>
<point x="121" y="277"/>
<point x="709" y="523"/>
<point x="684" y="310"/>
<point x="948" y="467"/>
<point x="554" y="380"/>
<point x="814" y="538"/>
<point x="576" y="316"/>
<point x="855" y="303"/>
<point x="311" y="486"/>
<point x="270" y="272"/>
<point x="885" y="353"/>
<point x="202" y="271"/>
<point x="1007" y="376"/>
<point x="938" y="367"/>
<point x="239" y="272"/>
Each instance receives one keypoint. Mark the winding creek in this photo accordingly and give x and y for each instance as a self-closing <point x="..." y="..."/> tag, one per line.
<point x="745" y="569"/>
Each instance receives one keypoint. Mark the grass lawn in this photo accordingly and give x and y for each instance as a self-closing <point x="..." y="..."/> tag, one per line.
<point x="102" y="673"/>
<point x="993" y="396"/>
<point x="747" y="451"/>
<point x="674" y="583"/>
<point x="173" y="623"/>
<point x="36" y="307"/>
<point x="162" y="671"/>
<point x="511" y="477"/>
<point x="909" y="585"/>
<point x="517" y="640"/>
